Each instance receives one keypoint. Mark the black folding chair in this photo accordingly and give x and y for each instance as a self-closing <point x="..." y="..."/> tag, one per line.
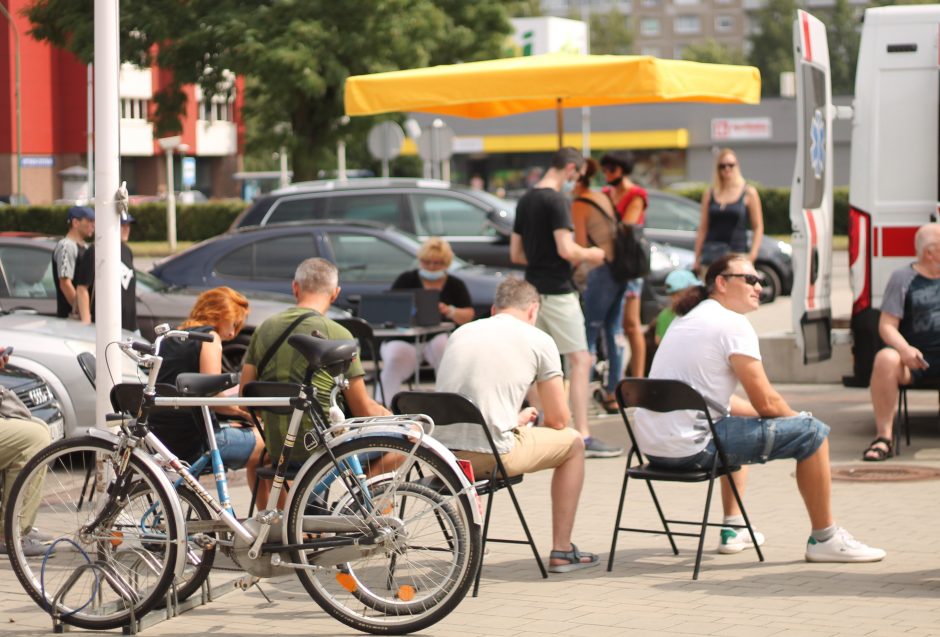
<point x="664" y="396"/>
<point x="362" y="331"/>
<point x="902" y="419"/>
<point x="449" y="409"/>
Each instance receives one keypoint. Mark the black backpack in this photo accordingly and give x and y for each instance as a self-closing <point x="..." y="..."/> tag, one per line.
<point x="631" y="249"/>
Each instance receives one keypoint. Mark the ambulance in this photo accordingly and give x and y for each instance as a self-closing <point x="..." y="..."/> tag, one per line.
<point x="893" y="187"/>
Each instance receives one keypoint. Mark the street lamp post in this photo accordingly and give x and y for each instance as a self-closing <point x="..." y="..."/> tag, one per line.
<point x="169" y="144"/>
<point x="19" y="124"/>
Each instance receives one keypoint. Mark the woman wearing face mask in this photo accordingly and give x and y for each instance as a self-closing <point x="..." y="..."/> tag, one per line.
<point x="399" y="358"/>
<point x="630" y="201"/>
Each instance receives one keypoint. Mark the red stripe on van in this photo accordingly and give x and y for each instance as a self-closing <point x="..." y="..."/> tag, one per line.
<point x="875" y="233"/>
<point x="813" y="244"/>
<point x="898" y="242"/>
<point x="807" y="45"/>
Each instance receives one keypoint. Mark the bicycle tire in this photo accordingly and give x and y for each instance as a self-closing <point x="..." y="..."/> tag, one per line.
<point x="421" y="574"/>
<point x="72" y="493"/>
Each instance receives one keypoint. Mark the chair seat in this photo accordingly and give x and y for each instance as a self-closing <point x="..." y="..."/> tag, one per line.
<point x="485" y="486"/>
<point x="646" y="472"/>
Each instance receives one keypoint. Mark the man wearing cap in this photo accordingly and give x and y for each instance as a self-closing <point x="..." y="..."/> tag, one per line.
<point x="68" y="251"/>
<point x="677" y="282"/>
<point x="85" y="281"/>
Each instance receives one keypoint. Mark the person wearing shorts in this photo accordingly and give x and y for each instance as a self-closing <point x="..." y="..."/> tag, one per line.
<point x="712" y="347"/>
<point x="910" y="328"/>
<point x="543" y="241"/>
<point x="494" y="362"/>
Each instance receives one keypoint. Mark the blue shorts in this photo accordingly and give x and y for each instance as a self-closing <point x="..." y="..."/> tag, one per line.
<point x="755" y="441"/>
<point x="235" y="445"/>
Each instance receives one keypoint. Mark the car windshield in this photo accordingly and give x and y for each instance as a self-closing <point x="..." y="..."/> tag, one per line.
<point x="496" y="202"/>
<point x="149" y="283"/>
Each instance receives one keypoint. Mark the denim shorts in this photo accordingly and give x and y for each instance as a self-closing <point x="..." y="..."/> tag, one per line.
<point x="235" y="445"/>
<point x="755" y="441"/>
<point x="634" y="288"/>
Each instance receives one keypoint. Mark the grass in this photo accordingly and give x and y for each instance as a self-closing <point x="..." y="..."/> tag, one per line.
<point x="839" y="241"/>
<point x="156" y="248"/>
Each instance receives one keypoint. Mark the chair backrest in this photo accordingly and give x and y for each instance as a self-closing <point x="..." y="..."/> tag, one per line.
<point x="86" y="360"/>
<point x="660" y="395"/>
<point x="127" y="397"/>
<point x="444" y="408"/>
<point x="270" y="389"/>
<point x="361" y="331"/>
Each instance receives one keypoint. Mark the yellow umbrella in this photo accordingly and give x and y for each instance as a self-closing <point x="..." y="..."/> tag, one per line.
<point x="510" y="86"/>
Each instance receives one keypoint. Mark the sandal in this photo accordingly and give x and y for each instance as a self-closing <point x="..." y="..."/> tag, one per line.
<point x="606" y="401"/>
<point x="877" y="453"/>
<point x="573" y="557"/>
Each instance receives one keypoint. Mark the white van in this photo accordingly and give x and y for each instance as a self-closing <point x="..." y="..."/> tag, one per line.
<point x="894" y="182"/>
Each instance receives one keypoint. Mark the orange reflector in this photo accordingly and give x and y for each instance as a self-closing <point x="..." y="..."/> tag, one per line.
<point x="117" y="538"/>
<point x="346" y="581"/>
<point x="406" y="593"/>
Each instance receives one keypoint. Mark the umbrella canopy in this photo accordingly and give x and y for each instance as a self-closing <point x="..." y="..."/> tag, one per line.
<point x="510" y="86"/>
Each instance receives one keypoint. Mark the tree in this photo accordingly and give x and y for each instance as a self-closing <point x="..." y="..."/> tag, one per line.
<point x="295" y="55"/>
<point x="842" y="33"/>
<point x="714" y="52"/>
<point x="611" y="33"/>
<point x="772" y="43"/>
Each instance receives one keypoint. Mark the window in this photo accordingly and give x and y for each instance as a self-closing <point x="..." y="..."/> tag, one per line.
<point x="649" y="26"/>
<point x="27" y="273"/>
<point x="276" y="258"/>
<point x="724" y="23"/>
<point x="133" y="108"/>
<point x="295" y="209"/>
<point x="450" y="217"/>
<point x="666" y="213"/>
<point x="650" y="50"/>
<point x="364" y="257"/>
<point x="220" y="109"/>
<point x="687" y="24"/>
<point x="381" y="208"/>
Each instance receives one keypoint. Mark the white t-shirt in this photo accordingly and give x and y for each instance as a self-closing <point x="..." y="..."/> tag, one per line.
<point x="493" y="362"/>
<point x="697" y="350"/>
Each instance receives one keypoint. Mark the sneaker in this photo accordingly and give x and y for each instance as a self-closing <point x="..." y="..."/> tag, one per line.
<point x="736" y="540"/>
<point x="39" y="536"/>
<point x="31" y="548"/>
<point x="841" y="547"/>
<point x="594" y="448"/>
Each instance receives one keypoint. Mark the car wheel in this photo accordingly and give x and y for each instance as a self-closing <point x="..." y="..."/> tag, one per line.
<point x="771" y="285"/>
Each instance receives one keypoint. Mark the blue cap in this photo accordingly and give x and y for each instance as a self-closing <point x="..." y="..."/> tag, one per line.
<point x="127" y="218"/>
<point x="679" y="280"/>
<point x="81" y="212"/>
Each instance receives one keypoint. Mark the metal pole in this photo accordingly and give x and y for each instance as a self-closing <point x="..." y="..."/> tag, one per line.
<point x="341" y="161"/>
<point x="282" y="156"/>
<point x="91" y="132"/>
<point x="559" y="122"/>
<point x="107" y="224"/>
<point x="170" y="201"/>
<point x="19" y="117"/>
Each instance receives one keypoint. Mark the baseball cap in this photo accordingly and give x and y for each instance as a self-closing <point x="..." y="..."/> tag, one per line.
<point x="127" y="217"/>
<point x="679" y="280"/>
<point x="81" y="212"/>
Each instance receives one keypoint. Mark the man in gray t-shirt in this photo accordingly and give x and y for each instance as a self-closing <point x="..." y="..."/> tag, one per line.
<point x="65" y="256"/>
<point x="494" y="362"/>
<point x="910" y="328"/>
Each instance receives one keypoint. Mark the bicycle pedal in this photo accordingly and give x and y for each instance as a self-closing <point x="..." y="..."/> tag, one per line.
<point x="204" y="541"/>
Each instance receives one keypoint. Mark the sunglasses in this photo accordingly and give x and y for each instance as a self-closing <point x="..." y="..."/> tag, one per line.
<point x="750" y="279"/>
<point x="724" y="166"/>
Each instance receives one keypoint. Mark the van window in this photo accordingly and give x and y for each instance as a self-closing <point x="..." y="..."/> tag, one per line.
<point x="450" y="217"/>
<point x="363" y="257"/>
<point x="27" y="272"/>
<point x="303" y="208"/>
<point x="276" y="258"/>
<point x="665" y="213"/>
<point x="380" y="207"/>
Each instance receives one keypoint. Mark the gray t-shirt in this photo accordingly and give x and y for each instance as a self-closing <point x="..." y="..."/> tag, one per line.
<point x="915" y="300"/>
<point x="493" y="362"/>
<point x="65" y="257"/>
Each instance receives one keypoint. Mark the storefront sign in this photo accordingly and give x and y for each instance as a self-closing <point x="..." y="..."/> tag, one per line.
<point x="741" y="128"/>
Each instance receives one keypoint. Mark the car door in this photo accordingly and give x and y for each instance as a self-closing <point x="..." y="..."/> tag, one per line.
<point x="368" y="263"/>
<point x="26" y="279"/>
<point x="465" y="224"/>
<point x="265" y="262"/>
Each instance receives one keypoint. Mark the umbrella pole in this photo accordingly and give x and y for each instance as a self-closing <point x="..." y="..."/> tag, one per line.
<point x="559" y="121"/>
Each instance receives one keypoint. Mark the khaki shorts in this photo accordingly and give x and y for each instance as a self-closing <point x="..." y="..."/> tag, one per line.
<point x="560" y="315"/>
<point x="535" y="449"/>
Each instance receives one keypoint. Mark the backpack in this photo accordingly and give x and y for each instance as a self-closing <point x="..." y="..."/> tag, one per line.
<point x="631" y="258"/>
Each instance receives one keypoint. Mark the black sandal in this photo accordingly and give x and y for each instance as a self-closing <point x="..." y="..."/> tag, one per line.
<point x="608" y="403"/>
<point x="879" y="454"/>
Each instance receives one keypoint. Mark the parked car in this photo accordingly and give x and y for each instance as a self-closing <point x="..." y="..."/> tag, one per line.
<point x="49" y="347"/>
<point x="369" y="257"/>
<point x="672" y="220"/>
<point x="26" y="284"/>
<point x="475" y="223"/>
<point x="36" y="395"/>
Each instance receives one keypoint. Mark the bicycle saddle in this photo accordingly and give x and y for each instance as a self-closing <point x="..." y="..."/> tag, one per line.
<point x="192" y="384"/>
<point x="333" y="356"/>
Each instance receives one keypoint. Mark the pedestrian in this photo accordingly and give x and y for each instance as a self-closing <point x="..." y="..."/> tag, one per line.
<point x="85" y="281"/>
<point x="727" y="207"/>
<point x="542" y="240"/>
<point x="66" y="255"/>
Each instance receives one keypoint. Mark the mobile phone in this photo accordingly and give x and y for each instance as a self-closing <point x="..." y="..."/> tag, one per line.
<point x="6" y="352"/>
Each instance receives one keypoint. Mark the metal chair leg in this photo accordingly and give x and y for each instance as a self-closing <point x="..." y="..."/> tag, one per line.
<point x="528" y="534"/>
<point x="662" y="516"/>
<point x="613" y="541"/>
<point x="701" y="537"/>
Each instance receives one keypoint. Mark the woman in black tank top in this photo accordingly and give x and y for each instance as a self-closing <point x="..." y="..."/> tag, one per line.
<point x="727" y="208"/>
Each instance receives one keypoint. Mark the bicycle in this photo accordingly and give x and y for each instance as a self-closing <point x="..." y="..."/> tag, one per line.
<point x="380" y="525"/>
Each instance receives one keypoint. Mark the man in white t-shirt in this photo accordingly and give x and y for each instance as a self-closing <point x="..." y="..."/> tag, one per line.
<point x="713" y="347"/>
<point x="494" y="362"/>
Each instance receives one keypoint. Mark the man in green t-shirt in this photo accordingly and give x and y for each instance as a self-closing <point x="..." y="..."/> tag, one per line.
<point x="315" y="286"/>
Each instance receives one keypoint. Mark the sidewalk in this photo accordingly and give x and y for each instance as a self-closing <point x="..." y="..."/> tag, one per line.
<point x="650" y="590"/>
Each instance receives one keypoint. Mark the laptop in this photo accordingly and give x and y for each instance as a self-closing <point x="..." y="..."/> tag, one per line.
<point x="387" y="309"/>
<point x="426" y="312"/>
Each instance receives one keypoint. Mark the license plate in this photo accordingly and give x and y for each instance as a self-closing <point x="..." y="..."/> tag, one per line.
<point x="57" y="429"/>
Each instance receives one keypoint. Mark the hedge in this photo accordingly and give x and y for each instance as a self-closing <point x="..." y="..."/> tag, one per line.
<point x="194" y="222"/>
<point x="776" y="205"/>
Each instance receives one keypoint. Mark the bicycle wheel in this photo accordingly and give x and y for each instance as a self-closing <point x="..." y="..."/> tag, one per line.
<point x="425" y="555"/>
<point x="109" y="554"/>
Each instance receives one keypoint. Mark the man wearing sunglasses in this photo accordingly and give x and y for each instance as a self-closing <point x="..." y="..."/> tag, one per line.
<point x="712" y="347"/>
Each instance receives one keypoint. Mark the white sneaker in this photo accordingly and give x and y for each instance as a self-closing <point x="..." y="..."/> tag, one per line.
<point x="736" y="540"/>
<point x="841" y="547"/>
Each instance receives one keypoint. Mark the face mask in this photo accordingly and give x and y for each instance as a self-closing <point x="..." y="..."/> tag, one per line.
<point x="615" y="181"/>
<point x="567" y="187"/>
<point x="431" y="275"/>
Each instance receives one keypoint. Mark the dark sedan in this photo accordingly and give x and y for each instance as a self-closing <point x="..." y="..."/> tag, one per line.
<point x="369" y="257"/>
